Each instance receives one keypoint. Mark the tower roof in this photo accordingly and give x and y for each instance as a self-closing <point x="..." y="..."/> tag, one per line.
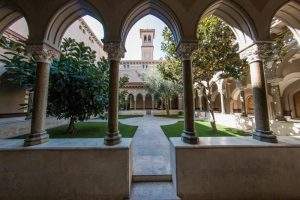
<point x="143" y="31"/>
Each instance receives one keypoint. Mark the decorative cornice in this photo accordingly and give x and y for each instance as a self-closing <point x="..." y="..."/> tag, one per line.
<point x="114" y="50"/>
<point x="43" y="53"/>
<point x="185" y="50"/>
<point x="254" y="52"/>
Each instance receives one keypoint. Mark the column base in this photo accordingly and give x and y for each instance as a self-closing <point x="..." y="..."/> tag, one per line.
<point x="112" y="139"/>
<point x="36" y="138"/>
<point x="265" y="136"/>
<point x="189" y="137"/>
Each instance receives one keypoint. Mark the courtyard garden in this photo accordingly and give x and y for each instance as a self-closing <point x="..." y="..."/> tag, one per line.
<point x="89" y="130"/>
<point x="203" y="129"/>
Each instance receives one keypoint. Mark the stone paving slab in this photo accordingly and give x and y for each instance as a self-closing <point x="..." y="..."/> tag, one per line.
<point x="150" y="146"/>
<point x="153" y="191"/>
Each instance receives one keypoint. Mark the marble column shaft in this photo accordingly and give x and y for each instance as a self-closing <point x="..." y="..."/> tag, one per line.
<point x="43" y="56"/>
<point x="115" y="52"/>
<point x="254" y="57"/>
<point x="185" y="51"/>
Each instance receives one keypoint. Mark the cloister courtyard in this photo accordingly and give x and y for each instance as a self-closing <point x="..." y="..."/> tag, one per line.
<point x="149" y="99"/>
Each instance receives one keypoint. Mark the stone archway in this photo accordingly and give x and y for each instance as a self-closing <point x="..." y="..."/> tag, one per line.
<point x="139" y="102"/>
<point x="249" y="105"/>
<point x="297" y="104"/>
<point x="148" y="102"/>
<point x="130" y="102"/>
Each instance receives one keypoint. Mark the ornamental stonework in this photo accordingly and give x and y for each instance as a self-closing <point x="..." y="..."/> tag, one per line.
<point x="43" y="53"/>
<point x="114" y="50"/>
<point x="254" y="52"/>
<point x="186" y="49"/>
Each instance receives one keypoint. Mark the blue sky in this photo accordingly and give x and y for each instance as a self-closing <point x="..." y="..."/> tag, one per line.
<point x="133" y="41"/>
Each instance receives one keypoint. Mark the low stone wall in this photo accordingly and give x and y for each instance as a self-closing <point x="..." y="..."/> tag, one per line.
<point x="236" y="168"/>
<point x="65" y="169"/>
<point x="21" y="127"/>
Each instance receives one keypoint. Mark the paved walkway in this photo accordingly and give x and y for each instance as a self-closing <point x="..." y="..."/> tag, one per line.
<point x="151" y="148"/>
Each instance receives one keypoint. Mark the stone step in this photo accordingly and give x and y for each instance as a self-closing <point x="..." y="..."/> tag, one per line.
<point x="153" y="191"/>
<point x="152" y="178"/>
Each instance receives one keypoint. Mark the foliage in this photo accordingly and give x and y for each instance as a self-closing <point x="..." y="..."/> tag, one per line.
<point x="19" y="68"/>
<point x="216" y="53"/>
<point x="78" y="85"/>
<point x="278" y="49"/>
<point x="170" y="68"/>
<point x="161" y="88"/>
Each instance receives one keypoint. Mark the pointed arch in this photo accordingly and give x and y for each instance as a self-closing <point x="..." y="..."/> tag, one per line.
<point x="65" y="16"/>
<point x="8" y="15"/>
<point x="289" y="14"/>
<point x="155" y="8"/>
<point x="237" y="18"/>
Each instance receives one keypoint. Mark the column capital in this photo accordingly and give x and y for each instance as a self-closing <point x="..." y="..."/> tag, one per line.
<point x="185" y="50"/>
<point x="114" y="50"/>
<point x="255" y="52"/>
<point x="43" y="53"/>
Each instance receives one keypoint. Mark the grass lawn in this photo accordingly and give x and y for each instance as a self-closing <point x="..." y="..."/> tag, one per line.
<point x="89" y="130"/>
<point x="129" y="116"/>
<point x="203" y="129"/>
<point x="170" y="116"/>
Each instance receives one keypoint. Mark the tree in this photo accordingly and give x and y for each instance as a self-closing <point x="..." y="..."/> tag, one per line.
<point x="78" y="87"/>
<point x="216" y="53"/>
<point x="161" y="88"/>
<point x="170" y="68"/>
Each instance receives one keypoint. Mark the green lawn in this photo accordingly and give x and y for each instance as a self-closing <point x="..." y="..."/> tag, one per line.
<point x="89" y="130"/>
<point x="170" y="116"/>
<point x="203" y="129"/>
<point x="129" y="116"/>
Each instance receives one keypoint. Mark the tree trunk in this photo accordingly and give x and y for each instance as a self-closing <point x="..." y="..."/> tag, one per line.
<point x="167" y="107"/>
<point x="71" y="128"/>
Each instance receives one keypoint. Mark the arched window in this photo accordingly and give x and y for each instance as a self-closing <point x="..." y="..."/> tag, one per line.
<point x="149" y="38"/>
<point x="145" y="38"/>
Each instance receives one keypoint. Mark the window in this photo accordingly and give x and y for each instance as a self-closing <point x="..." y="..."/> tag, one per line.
<point x="145" y="38"/>
<point x="149" y="38"/>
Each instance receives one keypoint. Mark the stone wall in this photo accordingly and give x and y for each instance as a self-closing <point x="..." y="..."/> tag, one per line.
<point x="65" y="169"/>
<point x="236" y="168"/>
<point x="21" y="127"/>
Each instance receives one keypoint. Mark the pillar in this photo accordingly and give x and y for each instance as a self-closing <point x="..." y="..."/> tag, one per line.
<point x="43" y="55"/>
<point x="115" y="52"/>
<point x="253" y="54"/>
<point x="222" y="102"/>
<point x="185" y="50"/>
<point x="153" y="103"/>
<point x="243" y="100"/>
<point x="275" y="91"/>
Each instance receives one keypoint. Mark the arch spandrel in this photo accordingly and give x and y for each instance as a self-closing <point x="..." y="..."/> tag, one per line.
<point x="236" y="17"/>
<point x="67" y="15"/>
<point x="156" y="8"/>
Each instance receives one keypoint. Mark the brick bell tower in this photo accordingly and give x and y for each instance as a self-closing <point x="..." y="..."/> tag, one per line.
<point x="147" y="36"/>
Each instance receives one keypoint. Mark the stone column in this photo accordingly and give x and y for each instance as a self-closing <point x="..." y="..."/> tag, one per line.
<point x="253" y="54"/>
<point x="222" y="101"/>
<point x="43" y="55"/>
<point x="275" y="91"/>
<point x="115" y="52"/>
<point x="185" y="51"/>
<point x="243" y="100"/>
